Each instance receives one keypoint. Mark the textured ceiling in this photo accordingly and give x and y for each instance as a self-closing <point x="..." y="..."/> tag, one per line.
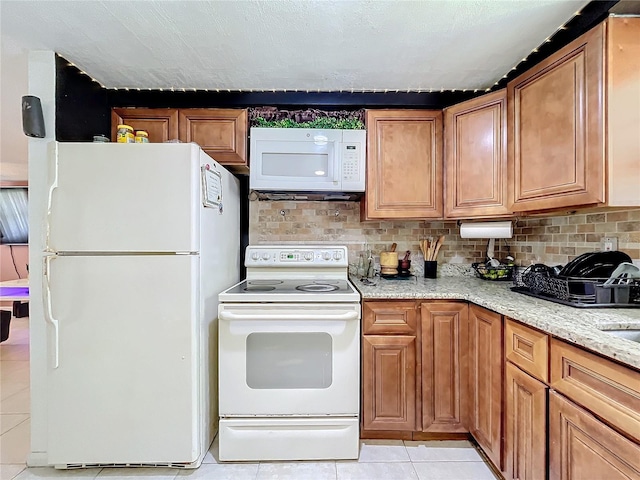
<point x="326" y="45"/>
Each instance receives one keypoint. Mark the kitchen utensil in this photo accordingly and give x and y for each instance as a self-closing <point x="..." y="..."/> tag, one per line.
<point x="370" y="271"/>
<point x="594" y="264"/>
<point x="541" y="268"/>
<point x="389" y="263"/>
<point x="393" y="247"/>
<point x="430" y="269"/>
<point x="405" y="264"/>
<point x="556" y="270"/>
<point x="623" y="274"/>
<point x="434" y="248"/>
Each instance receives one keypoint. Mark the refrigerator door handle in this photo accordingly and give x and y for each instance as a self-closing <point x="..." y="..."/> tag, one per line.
<point x="48" y="311"/>
<point x="52" y="187"/>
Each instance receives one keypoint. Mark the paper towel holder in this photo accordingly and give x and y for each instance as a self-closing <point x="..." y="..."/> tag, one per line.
<point x="484" y="229"/>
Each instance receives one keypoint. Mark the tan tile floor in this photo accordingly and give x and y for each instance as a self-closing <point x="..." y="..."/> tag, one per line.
<point x="379" y="459"/>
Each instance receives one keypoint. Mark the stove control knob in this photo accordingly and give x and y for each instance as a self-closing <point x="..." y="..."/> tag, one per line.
<point x="265" y="256"/>
<point x="308" y="256"/>
<point x="337" y="255"/>
<point x="255" y="256"/>
<point x="326" y="255"/>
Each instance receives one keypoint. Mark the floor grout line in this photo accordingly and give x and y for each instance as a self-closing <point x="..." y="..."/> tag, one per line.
<point x="16" y="425"/>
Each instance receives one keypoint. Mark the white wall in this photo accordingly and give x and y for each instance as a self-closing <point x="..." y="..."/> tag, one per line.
<point x="13" y="85"/>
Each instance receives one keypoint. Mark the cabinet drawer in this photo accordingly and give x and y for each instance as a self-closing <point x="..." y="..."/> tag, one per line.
<point x="389" y="318"/>
<point x="528" y="349"/>
<point x="609" y="390"/>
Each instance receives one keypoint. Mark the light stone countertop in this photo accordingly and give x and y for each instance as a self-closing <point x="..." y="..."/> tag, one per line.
<point x="576" y="325"/>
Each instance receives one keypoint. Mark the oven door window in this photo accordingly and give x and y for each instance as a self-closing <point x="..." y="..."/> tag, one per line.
<point x="289" y="360"/>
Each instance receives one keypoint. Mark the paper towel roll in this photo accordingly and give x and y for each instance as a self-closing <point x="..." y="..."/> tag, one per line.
<point x="486" y="230"/>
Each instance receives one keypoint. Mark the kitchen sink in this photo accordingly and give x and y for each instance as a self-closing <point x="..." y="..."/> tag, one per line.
<point x="629" y="334"/>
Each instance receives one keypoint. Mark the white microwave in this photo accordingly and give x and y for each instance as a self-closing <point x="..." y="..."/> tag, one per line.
<point x="307" y="160"/>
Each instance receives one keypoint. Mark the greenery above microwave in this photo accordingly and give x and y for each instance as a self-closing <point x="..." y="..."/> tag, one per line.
<point x="272" y="117"/>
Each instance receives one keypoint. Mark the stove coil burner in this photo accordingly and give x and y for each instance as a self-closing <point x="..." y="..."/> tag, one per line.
<point x="259" y="288"/>
<point x="317" y="287"/>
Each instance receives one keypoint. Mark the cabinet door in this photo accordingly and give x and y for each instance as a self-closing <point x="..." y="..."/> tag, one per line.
<point x="485" y="381"/>
<point x="525" y="428"/>
<point x="475" y="161"/>
<point x="444" y="360"/>
<point x="404" y="164"/>
<point x="582" y="447"/>
<point x="220" y="132"/>
<point x="556" y="128"/>
<point x="389" y="382"/>
<point x="160" y="123"/>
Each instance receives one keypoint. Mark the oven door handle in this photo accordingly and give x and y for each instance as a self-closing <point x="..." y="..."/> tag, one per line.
<point x="340" y="317"/>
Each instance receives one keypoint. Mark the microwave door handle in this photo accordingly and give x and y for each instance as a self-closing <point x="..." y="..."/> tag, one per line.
<point x="337" y="166"/>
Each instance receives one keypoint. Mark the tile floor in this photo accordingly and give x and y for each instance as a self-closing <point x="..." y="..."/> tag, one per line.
<point x="379" y="459"/>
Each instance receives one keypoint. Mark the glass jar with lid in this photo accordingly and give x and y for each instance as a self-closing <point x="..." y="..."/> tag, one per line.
<point x="142" y="136"/>
<point x="125" y="134"/>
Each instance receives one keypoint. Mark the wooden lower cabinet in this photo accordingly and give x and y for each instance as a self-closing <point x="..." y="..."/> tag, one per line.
<point x="583" y="447"/>
<point x="414" y="373"/>
<point x="608" y="389"/>
<point x="447" y="372"/>
<point x="525" y="425"/>
<point x="444" y="358"/>
<point x="389" y="382"/>
<point x="485" y="381"/>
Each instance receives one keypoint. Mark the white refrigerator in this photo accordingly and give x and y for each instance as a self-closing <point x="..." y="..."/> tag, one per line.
<point x="133" y="243"/>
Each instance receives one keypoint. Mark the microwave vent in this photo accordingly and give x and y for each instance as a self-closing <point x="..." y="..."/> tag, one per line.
<point x="308" y="196"/>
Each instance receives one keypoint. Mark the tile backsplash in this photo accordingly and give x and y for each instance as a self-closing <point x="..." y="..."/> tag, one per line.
<point x="551" y="240"/>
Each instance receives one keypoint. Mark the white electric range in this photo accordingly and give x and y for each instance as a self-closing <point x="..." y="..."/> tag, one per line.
<point x="289" y="357"/>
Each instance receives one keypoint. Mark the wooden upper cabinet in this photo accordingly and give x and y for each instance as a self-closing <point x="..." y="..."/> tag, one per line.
<point x="404" y="165"/>
<point x="564" y="112"/>
<point x="160" y="123"/>
<point x="220" y="132"/>
<point x="623" y="111"/>
<point x="555" y="119"/>
<point x="475" y="152"/>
